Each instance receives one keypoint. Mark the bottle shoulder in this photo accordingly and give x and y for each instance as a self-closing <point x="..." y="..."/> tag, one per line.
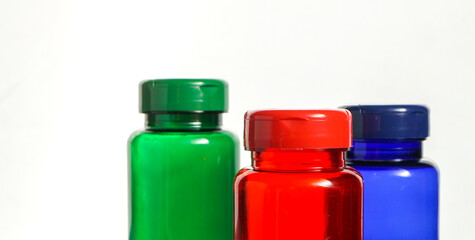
<point x="247" y="175"/>
<point x="229" y="135"/>
<point x="429" y="164"/>
<point x="423" y="163"/>
<point x="134" y="135"/>
<point x="423" y="166"/>
<point x="145" y="135"/>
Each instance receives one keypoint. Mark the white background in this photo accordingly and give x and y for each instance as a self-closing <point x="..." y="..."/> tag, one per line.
<point x="69" y="74"/>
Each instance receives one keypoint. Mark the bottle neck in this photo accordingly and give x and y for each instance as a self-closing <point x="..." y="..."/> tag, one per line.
<point x="298" y="160"/>
<point x="385" y="150"/>
<point x="183" y="121"/>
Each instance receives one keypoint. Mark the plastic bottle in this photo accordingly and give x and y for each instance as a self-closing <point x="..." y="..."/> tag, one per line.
<point x="182" y="165"/>
<point x="298" y="186"/>
<point x="401" y="190"/>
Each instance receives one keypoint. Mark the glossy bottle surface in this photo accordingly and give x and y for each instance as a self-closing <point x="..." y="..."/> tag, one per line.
<point x="401" y="200"/>
<point x="181" y="185"/>
<point x="401" y="192"/>
<point x="304" y="195"/>
<point x="182" y="166"/>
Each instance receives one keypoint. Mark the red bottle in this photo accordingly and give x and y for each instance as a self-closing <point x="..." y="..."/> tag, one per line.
<point x="298" y="187"/>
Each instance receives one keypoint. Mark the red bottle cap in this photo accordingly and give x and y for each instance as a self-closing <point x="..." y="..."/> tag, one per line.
<point x="297" y="129"/>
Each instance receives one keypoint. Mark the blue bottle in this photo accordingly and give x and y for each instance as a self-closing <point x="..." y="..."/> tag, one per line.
<point x="401" y="190"/>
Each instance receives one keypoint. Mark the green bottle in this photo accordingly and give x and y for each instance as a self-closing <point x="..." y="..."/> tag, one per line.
<point x="182" y="165"/>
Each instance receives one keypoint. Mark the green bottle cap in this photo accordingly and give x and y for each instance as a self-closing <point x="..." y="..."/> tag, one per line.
<point x="183" y="95"/>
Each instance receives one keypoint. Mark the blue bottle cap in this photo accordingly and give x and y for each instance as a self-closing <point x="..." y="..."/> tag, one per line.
<point x="389" y="121"/>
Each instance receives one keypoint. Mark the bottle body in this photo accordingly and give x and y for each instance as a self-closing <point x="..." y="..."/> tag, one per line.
<point x="181" y="184"/>
<point x="400" y="200"/>
<point x="401" y="191"/>
<point x="295" y="198"/>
